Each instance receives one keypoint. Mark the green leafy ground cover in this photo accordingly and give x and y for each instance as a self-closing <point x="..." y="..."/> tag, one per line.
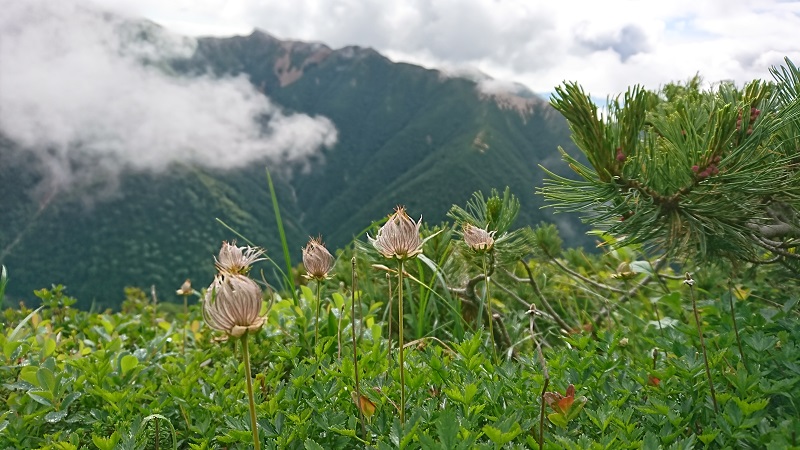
<point x="77" y="379"/>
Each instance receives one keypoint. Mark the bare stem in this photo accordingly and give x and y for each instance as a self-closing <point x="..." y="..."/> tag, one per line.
<point x="339" y="333"/>
<point x="253" y="422"/>
<point x="355" y="349"/>
<point x="541" y="296"/>
<point x="488" y="301"/>
<point x="583" y="278"/>
<point x="735" y="327"/>
<point x="316" y="321"/>
<point x="400" y="323"/>
<point x="389" y="344"/>
<point x="186" y="318"/>
<point x="545" y="372"/>
<point x="689" y="281"/>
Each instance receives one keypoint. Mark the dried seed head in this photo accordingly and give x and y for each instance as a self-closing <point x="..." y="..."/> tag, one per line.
<point x="232" y="304"/>
<point x="317" y="260"/>
<point x="399" y="237"/>
<point x="186" y="288"/>
<point x="477" y="238"/>
<point x="237" y="260"/>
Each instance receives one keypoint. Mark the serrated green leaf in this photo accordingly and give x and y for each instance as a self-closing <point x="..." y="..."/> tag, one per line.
<point x="106" y="443"/>
<point x="501" y="438"/>
<point x="708" y="438"/>
<point x="650" y="441"/>
<point x="447" y="428"/>
<point x="310" y="444"/>
<point x="347" y="432"/>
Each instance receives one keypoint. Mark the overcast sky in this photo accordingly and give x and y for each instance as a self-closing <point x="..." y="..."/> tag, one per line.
<point x="605" y="45"/>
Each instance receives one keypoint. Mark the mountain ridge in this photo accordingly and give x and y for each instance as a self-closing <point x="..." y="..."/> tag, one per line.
<point x="406" y="135"/>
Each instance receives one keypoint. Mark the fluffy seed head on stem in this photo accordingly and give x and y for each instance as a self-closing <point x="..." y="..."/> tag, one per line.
<point x="317" y="260"/>
<point x="237" y="260"/>
<point x="399" y="237"/>
<point x="233" y="304"/>
<point x="478" y="239"/>
<point x="186" y="288"/>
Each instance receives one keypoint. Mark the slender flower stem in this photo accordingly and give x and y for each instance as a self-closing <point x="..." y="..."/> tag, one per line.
<point x="400" y="322"/>
<point x="339" y="332"/>
<point x="316" y="322"/>
<point x="389" y="334"/>
<point x="703" y="345"/>
<point x="355" y="350"/>
<point x="545" y="372"/>
<point x="253" y="423"/>
<point x="186" y="319"/>
<point x="488" y="301"/>
<point x="736" y="328"/>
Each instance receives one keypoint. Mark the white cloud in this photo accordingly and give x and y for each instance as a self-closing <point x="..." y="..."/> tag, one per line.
<point x="605" y="45"/>
<point x="79" y="92"/>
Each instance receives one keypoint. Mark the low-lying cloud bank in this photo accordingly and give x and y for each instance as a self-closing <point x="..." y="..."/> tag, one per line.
<point x="89" y="95"/>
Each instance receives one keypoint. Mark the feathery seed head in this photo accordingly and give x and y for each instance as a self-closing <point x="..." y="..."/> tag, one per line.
<point x="232" y="304"/>
<point x="478" y="239"/>
<point x="317" y="260"/>
<point x="399" y="237"/>
<point x="237" y="260"/>
<point x="186" y="288"/>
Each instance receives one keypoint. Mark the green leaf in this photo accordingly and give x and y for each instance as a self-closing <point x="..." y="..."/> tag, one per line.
<point x="106" y="443"/>
<point x="650" y="442"/>
<point x="28" y="375"/>
<point x="43" y="397"/>
<point x="284" y="244"/>
<point x="69" y="399"/>
<point x="47" y="380"/>
<point x="128" y="363"/>
<point x="501" y="438"/>
<point x="751" y="407"/>
<point x="49" y="347"/>
<point x="310" y="444"/>
<point x="13" y="335"/>
<point x="558" y="419"/>
<point x="55" y="416"/>
<point x="641" y="267"/>
<point x="348" y="433"/>
<point x="708" y="438"/>
<point x="447" y="428"/>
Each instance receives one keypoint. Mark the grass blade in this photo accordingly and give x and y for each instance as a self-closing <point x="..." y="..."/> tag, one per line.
<point x="282" y="234"/>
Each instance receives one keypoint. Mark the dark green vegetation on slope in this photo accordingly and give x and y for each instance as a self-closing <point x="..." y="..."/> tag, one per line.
<point x="406" y="135"/>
